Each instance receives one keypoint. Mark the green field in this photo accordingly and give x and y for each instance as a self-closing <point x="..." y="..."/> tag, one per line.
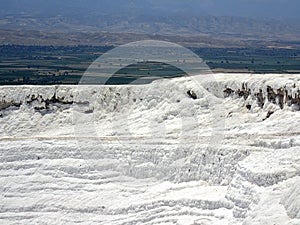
<point x="267" y="60"/>
<point x="65" y="65"/>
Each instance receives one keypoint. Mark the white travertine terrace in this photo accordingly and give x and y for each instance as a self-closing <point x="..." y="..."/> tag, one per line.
<point x="146" y="154"/>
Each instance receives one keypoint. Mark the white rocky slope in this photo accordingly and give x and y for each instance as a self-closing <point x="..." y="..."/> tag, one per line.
<point x="180" y="151"/>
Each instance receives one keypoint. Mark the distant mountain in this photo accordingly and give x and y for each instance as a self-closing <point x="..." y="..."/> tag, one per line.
<point x="165" y="17"/>
<point x="267" y="9"/>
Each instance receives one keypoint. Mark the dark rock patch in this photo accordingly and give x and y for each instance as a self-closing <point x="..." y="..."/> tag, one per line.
<point x="192" y="94"/>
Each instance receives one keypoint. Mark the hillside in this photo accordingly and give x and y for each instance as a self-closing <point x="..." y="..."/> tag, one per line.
<point x="143" y="17"/>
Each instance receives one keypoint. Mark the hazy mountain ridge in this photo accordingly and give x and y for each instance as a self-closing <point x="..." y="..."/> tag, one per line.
<point x="151" y="24"/>
<point x="272" y="9"/>
<point x="143" y="17"/>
